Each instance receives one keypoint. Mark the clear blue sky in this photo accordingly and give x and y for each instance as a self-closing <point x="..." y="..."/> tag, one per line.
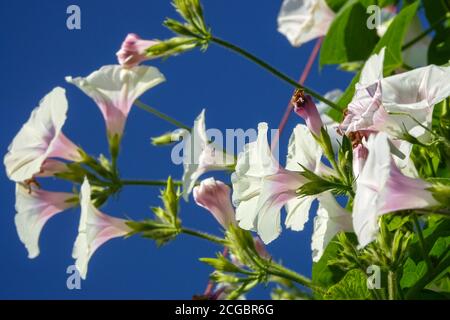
<point x="38" y="51"/>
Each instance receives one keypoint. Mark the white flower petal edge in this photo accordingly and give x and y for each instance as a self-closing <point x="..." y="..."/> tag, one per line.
<point x="330" y="220"/>
<point x="303" y="20"/>
<point x="41" y="138"/>
<point x="381" y="188"/>
<point x="115" y="89"/>
<point x="33" y="209"/>
<point x="253" y="164"/>
<point x="414" y="94"/>
<point x="200" y="155"/>
<point x="95" y="229"/>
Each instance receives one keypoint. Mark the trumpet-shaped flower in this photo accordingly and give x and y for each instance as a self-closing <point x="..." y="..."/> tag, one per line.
<point x="95" y="229"/>
<point x="33" y="209"/>
<point x="280" y="189"/>
<point x="133" y="50"/>
<point x="381" y="188"/>
<point x="115" y="89"/>
<point x="214" y="196"/>
<point x="254" y="163"/>
<point x="41" y="138"/>
<point x="200" y="155"/>
<point x="396" y="103"/>
<point x="330" y="220"/>
<point x="304" y="20"/>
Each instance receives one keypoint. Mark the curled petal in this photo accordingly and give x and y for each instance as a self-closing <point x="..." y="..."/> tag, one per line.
<point x="34" y="208"/>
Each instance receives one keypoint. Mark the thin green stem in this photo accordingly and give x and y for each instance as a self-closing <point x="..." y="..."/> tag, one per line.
<point x="204" y="235"/>
<point x="392" y="285"/>
<point x="423" y="246"/>
<point x="274" y="71"/>
<point x="280" y="271"/>
<point x="161" y="115"/>
<point x="425" y="33"/>
<point x="127" y="182"/>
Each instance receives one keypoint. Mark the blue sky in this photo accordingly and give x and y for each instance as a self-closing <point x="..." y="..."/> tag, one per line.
<point x="38" y="51"/>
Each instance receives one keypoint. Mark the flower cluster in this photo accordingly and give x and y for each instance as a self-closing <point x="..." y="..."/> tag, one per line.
<point x="375" y="170"/>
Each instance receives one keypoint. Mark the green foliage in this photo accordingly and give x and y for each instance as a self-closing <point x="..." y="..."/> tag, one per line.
<point x="323" y="273"/>
<point x="339" y="45"/>
<point x="412" y="273"/>
<point x="393" y="42"/>
<point x="352" y="287"/>
<point x="166" y="225"/>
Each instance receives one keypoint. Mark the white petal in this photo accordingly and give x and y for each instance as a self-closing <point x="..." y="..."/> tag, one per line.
<point x="415" y="93"/>
<point x="331" y="218"/>
<point x="29" y="148"/>
<point x="373" y="69"/>
<point x="303" y="20"/>
<point x="298" y="212"/>
<point x="34" y="208"/>
<point x="303" y="150"/>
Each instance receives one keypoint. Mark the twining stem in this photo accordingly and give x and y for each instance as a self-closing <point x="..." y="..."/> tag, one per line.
<point x="423" y="247"/>
<point x="424" y="34"/>
<point x="148" y="183"/>
<point x="274" y="71"/>
<point x="303" y="77"/>
<point x="204" y="235"/>
<point x="161" y="115"/>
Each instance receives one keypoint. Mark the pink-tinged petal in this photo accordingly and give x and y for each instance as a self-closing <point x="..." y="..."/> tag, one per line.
<point x="381" y="188"/>
<point x="360" y="154"/>
<point x="94" y="230"/>
<point x="133" y="50"/>
<point x="403" y="193"/>
<point x="306" y="108"/>
<point x="365" y="111"/>
<point x="51" y="167"/>
<point x="330" y="220"/>
<point x="276" y="191"/>
<point x="214" y="196"/>
<point x="253" y="164"/>
<point x="40" y="138"/>
<point x="303" y="20"/>
<point x="115" y="89"/>
<point x="63" y="148"/>
<point x="33" y="209"/>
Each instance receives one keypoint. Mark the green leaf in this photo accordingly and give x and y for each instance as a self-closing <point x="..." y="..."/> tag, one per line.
<point x="335" y="5"/>
<point x="339" y="45"/>
<point x="323" y="274"/>
<point x="412" y="273"/>
<point x="439" y="50"/>
<point x="435" y="10"/>
<point x="393" y="41"/>
<point x="352" y="287"/>
<point x="440" y="248"/>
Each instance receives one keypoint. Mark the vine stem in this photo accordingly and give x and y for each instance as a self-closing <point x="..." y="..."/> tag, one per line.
<point x="204" y="235"/>
<point x="161" y="115"/>
<point x="155" y="183"/>
<point x="304" y="76"/>
<point x="273" y="70"/>
<point x="424" y="34"/>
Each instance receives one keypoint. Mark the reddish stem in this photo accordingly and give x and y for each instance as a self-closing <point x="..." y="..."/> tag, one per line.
<point x="304" y="76"/>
